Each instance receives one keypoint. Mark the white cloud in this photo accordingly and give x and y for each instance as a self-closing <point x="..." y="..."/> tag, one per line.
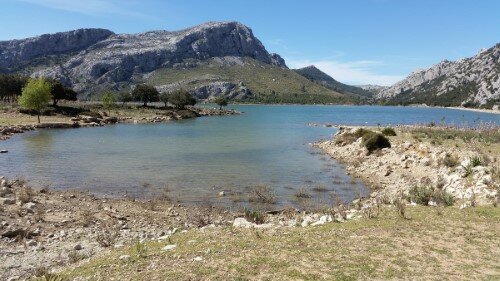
<point x="351" y="72"/>
<point x="88" y="7"/>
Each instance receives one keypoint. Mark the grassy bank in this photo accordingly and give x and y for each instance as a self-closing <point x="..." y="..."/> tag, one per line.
<point x="433" y="244"/>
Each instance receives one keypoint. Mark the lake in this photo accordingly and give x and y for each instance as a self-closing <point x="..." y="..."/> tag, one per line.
<point x="198" y="158"/>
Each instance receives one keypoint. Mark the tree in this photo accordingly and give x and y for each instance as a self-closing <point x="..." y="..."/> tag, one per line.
<point x="36" y="95"/>
<point x="164" y="97"/>
<point x="59" y="92"/>
<point x="124" y="97"/>
<point x="108" y="100"/>
<point x="181" y="98"/>
<point x="145" y="93"/>
<point x="11" y="86"/>
<point x="221" y="101"/>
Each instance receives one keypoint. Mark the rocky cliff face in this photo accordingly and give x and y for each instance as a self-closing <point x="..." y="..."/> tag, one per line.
<point x="473" y="81"/>
<point x="16" y="54"/>
<point x="111" y="60"/>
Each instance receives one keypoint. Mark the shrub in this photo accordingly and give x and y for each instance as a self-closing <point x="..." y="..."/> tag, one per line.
<point x="373" y="141"/>
<point x="421" y="195"/>
<point x="108" y="100"/>
<point x="262" y="194"/>
<point x="140" y="250"/>
<point x="254" y="216"/>
<point x="25" y="194"/>
<point x="475" y="161"/>
<point x="181" y="98"/>
<point x="303" y="194"/>
<point x="388" y="132"/>
<point x="443" y="197"/>
<point x="107" y="237"/>
<point x="449" y="161"/>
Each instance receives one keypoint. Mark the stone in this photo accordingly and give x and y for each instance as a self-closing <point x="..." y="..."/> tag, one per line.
<point x="242" y="222"/>
<point x="4" y="151"/>
<point x="222" y="194"/>
<point x="7" y="201"/>
<point x="169" y="247"/>
<point x="425" y="161"/>
<point x="307" y="221"/>
<point x="77" y="247"/>
<point x="407" y="145"/>
<point x="30" y="207"/>
<point x="31" y="243"/>
<point x="124" y="257"/>
<point x="198" y="259"/>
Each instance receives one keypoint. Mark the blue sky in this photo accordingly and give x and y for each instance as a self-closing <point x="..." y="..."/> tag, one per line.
<point x="355" y="41"/>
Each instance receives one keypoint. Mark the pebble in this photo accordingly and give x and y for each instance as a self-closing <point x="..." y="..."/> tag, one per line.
<point x="169" y="247"/>
<point x="198" y="259"/>
<point x="124" y="257"/>
<point x="77" y="247"/>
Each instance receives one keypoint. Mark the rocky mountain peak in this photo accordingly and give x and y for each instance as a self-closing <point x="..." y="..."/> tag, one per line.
<point x="474" y="81"/>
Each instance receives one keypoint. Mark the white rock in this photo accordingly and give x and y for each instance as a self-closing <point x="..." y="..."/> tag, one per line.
<point x="124" y="257"/>
<point x="169" y="247"/>
<point x="198" y="259"/>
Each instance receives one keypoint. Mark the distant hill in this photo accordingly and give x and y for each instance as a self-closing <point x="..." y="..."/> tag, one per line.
<point x="472" y="81"/>
<point x="314" y="74"/>
<point x="211" y="59"/>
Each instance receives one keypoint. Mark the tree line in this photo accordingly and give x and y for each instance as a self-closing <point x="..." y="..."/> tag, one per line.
<point x="12" y="85"/>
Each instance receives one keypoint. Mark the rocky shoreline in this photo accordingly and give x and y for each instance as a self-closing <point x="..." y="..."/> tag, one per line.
<point x="102" y="118"/>
<point x="461" y="171"/>
<point x="50" y="230"/>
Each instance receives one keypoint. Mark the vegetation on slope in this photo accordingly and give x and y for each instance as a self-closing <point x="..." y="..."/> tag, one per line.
<point x="314" y="74"/>
<point x="268" y="84"/>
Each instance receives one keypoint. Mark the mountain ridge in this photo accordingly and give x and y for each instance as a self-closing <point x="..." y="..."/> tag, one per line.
<point x="473" y="81"/>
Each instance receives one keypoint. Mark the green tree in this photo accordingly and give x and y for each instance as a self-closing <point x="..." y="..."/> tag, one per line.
<point x="124" y="97"/>
<point x="108" y="100"/>
<point x="145" y="94"/>
<point x="221" y="101"/>
<point x="59" y="92"/>
<point x="181" y="98"/>
<point x="36" y="95"/>
<point x="164" y="97"/>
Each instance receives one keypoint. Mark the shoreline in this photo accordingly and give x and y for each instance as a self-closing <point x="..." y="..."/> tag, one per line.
<point x="413" y="161"/>
<point x="99" y="119"/>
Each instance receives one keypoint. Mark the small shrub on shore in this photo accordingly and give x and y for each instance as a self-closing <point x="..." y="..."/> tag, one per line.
<point x="254" y="216"/>
<point x="140" y="250"/>
<point x="423" y="195"/>
<point x="25" y="194"/>
<point x="373" y="141"/>
<point x="449" y="160"/>
<point x="262" y="194"/>
<point x="389" y="132"/>
<point x="475" y="161"/>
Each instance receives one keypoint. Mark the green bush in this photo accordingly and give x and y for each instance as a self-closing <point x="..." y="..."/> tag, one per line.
<point x="373" y="141"/>
<point x="254" y="216"/>
<point x="388" y="132"/>
<point x="108" y="100"/>
<point x="421" y="195"/>
<point x="181" y="98"/>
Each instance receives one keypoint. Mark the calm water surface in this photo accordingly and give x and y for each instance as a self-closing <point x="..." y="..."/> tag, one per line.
<point x="197" y="158"/>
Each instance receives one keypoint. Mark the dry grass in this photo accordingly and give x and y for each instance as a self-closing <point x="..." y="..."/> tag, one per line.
<point x="451" y="244"/>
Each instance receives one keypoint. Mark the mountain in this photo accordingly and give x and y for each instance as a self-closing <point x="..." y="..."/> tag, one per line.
<point x="314" y="74"/>
<point x="211" y="59"/>
<point x="375" y="89"/>
<point x="472" y="81"/>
